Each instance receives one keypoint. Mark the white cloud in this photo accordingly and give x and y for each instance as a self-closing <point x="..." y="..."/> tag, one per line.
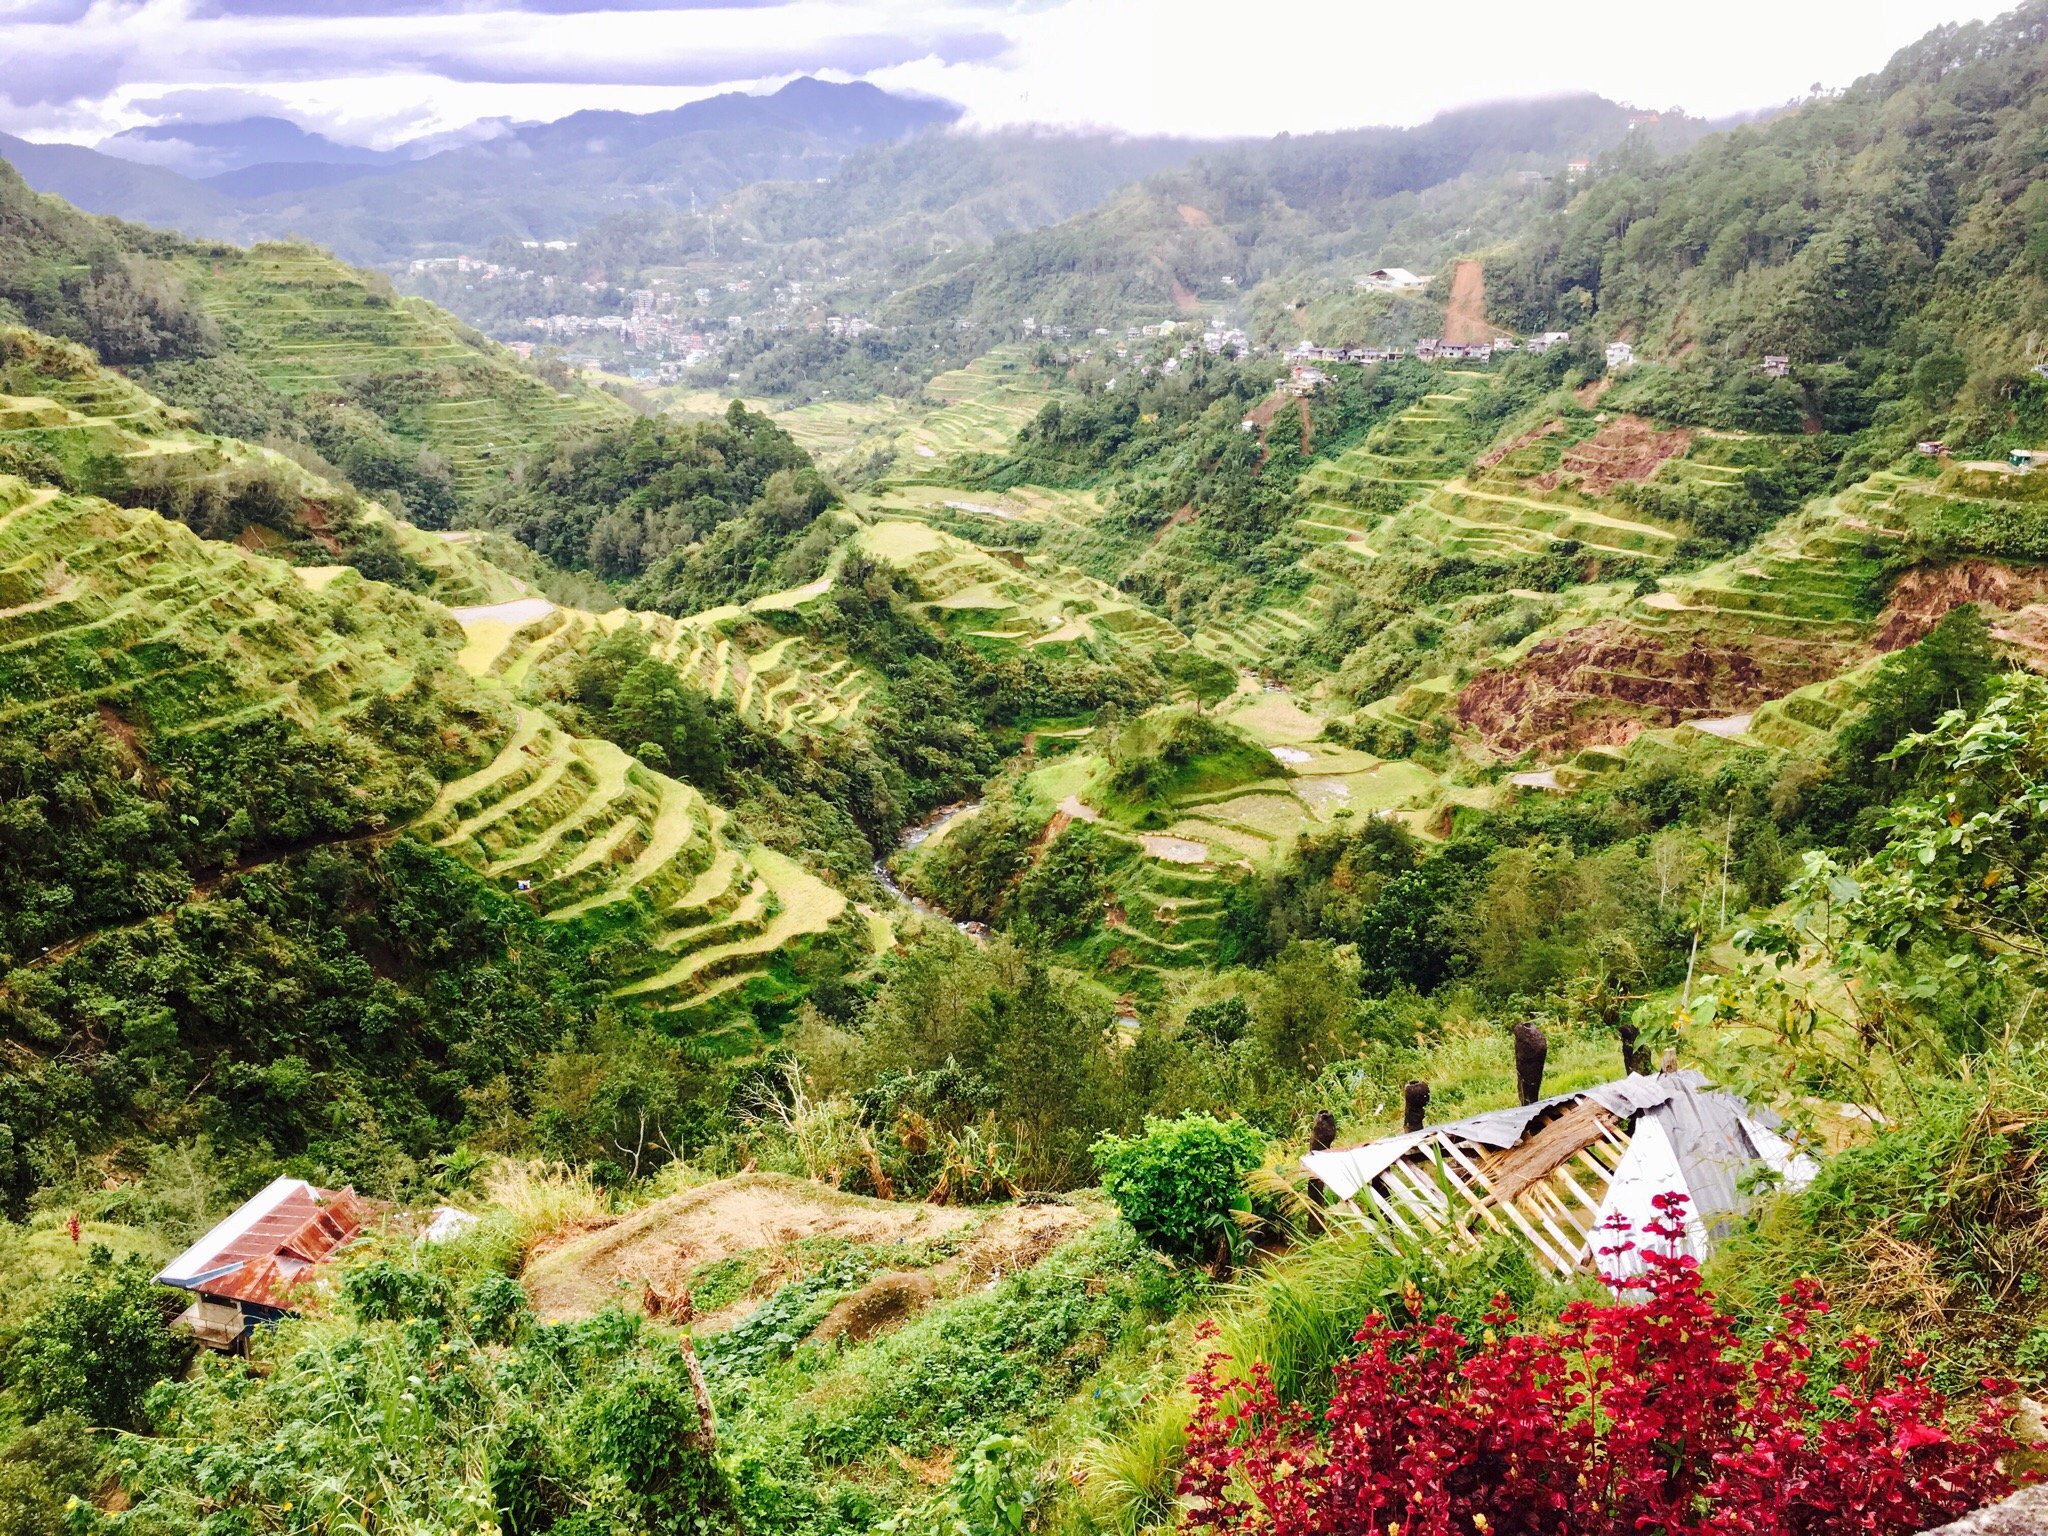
<point x="82" y="70"/>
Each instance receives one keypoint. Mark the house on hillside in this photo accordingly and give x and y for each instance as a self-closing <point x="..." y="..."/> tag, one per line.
<point x="1565" y="1174"/>
<point x="1391" y="280"/>
<point x="1620" y="354"/>
<point x="1576" y="170"/>
<point x="245" y="1270"/>
<point x="1547" y="340"/>
<point x="1777" y="366"/>
<point x="1930" y="448"/>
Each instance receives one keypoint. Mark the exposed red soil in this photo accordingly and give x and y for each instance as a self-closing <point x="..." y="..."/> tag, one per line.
<point x="1268" y="411"/>
<point x="314" y="516"/>
<point x="1185" y="513"/>
<point x="1263" y="413"/>
<point x="1920" y="598"/>
<point x="1626" y="448"/>
<point x="1184" y="298"/>
<point x="2026" y="634"/>
<point x="1604" y="684"/>
<point x="122" y="732"/>
<point x="1193" y="217"/>
<point x="1586" y="394"/>
<point x="1465" y="316"/>
<point x="1493" y="456"/>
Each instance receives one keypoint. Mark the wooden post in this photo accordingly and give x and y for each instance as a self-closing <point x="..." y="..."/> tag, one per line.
<point x="1414" y="1104"/>
<point x="707" y="1424"/>
<point x="1531" y="1046"/>
<point x="1321" y="1137"/>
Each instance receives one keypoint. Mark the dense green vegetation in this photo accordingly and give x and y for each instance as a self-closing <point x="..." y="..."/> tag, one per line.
<point x="692" y="515"/>
<point x="1254" y="754"/>
<point x="1886" y="240"/>
<point x="285" y="345"/>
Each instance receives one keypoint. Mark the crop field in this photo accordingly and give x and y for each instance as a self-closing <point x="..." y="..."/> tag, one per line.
<point x="999" y="596"/>
<point x="58" y="399"/>
<point x="169" y="632"/>
<point x="313" y="326"/>
<point x="592" y="835"/>
<point x="1171" y="874"/>
<point x="783" y="683"/>
<point x="977" y="512"/>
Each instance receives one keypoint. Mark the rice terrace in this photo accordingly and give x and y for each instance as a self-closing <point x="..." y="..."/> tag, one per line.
<point x="767" y="773"/>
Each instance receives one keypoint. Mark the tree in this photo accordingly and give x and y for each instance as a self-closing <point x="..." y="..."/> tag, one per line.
<point x="98" y="1345"/>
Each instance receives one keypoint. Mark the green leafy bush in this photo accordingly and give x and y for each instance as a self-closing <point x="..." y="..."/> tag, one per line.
<point x="98" y="1345"/>
<point x="1179" y="1182"/>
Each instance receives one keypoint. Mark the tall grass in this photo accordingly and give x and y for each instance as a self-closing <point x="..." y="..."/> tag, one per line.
<point x="539" y="1200"/>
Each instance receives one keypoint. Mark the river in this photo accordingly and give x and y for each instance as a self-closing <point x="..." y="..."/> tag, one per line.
<point x="922" y="832"/>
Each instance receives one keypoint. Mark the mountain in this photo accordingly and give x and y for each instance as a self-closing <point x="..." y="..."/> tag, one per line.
<point x="1895" y="234"/>
<point x="874" y="964"/>
<point x="285" y="342"/>
<point x="1233" y="219"/>
<point x="202" y="150"/>
<point x="265" y="178"/>
<point x="101" y="183"/>
<point x="851" y="113"/>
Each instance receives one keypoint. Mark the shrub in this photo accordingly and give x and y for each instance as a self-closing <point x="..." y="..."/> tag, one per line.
<point x="645" y="1433"/>
<point x="384" y="1292"/>
<point x="1641" y="1415"/>
<point x="1178" y="1183"/>
<point x="98" y="1346"/>
<point x="497" y="1309"/>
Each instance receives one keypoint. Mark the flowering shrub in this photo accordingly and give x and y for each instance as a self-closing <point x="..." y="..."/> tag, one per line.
<point x="1643" y="1416"/>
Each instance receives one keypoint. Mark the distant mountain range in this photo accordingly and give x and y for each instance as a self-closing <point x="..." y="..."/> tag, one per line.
<point x="263" y="177"/>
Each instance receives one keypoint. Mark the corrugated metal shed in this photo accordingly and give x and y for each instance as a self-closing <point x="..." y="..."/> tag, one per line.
<point x="267" y="1247"/>
<point x="1557" y="1171"/>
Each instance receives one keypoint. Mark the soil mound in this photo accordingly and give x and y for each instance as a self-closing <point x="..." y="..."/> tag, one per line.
<point x="660" y="1244"/>
<point x="881" y="1304"/>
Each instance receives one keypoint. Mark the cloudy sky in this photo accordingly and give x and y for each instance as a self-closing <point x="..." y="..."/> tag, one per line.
<point x="378" y="71"/>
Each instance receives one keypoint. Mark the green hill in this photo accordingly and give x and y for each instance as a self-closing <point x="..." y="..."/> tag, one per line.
<point x="1886" y="240"/>
<point x="286" y="343"/>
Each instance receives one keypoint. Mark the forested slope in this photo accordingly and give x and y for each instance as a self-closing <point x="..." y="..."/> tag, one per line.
<point x="285" y="343"/>
<point x="1895" y="233"/>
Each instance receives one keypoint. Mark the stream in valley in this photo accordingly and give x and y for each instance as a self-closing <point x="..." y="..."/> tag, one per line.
<point x="912" y="837"/>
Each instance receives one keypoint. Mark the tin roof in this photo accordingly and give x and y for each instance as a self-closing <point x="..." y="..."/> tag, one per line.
<point x="1687" y="1137"/>
<point x="263" y="1250"/>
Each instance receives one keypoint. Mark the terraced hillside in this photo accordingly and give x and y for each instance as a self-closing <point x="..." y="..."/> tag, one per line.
<point x="1008" y="595"/>
<point x="307" y="325"/>
<point x="172" y="633"/>
<point x="174" y="640"/>
<point x="782" y="683"/>
<point x="595" y="837"/>
<point x="1167" y="868"/>
<point x="1812" y="599"/>
<point x="67" y="420"/>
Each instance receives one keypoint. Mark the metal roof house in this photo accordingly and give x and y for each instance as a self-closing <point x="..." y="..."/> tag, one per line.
<point x="1560" y="1174"/>
<point x="245" y="1270"/>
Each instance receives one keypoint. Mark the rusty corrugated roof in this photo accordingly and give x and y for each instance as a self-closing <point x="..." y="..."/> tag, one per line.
<point x="270" y="1244"/>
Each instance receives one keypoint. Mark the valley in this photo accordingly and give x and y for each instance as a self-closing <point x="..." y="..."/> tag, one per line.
<point x="1077" y="908"/>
